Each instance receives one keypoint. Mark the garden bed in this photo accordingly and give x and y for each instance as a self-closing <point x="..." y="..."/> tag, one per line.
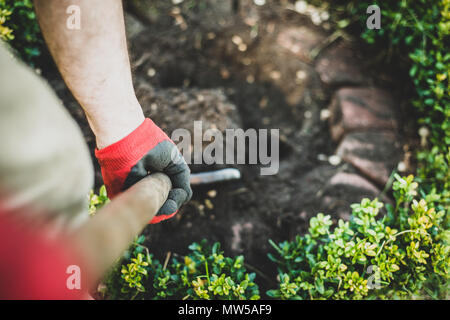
<point x="279" y="76"/>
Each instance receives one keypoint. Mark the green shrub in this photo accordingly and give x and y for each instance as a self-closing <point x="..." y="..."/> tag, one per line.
<point x="433" y="174"/>
<point x="19" y="27"/>
<point x="203" y="274"/>
<point x="96" y="201"/>
<point x="402" y="254"/>
<point x="5" y="32"/>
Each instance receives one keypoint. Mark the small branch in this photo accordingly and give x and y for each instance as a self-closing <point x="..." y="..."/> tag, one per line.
<point x="207" y="272"/>
<point x="395" y="235"/>
<point x="167" y="260"/>
<point x="275" y="246"/>
<point x="146" y="249"/>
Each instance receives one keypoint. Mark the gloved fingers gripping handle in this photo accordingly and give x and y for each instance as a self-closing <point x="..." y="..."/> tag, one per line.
<point x="118" y="159"/>
<point x="165" y="158"/>
<point x="146" y="150"/>
<point x="177" y="197"/>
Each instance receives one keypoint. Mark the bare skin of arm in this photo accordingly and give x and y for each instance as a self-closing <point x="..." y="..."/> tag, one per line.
<point x="94" y="63"/>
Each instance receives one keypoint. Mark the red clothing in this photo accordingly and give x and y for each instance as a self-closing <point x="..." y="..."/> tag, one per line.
<point x="33" y="267"/>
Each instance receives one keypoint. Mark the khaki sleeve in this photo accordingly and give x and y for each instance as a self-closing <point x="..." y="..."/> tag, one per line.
<point x="45" y="165"/>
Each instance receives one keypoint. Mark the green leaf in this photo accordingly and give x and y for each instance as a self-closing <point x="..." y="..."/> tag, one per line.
<point x="319" y="285"/>
<point x="273" y="293"/>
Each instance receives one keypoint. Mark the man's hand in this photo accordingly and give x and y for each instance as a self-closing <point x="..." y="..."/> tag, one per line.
<point x="147" y="149"/>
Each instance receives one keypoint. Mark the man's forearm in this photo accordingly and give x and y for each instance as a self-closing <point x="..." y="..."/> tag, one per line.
<point x="94" y="63"/>
<point x="93" y="60"/>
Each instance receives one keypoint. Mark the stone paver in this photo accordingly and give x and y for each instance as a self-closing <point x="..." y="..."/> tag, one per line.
<point x="353" y="179"/>
<point x="345" y="188"/>
<point x="375" y="154"/>
<point x="339" y="66"/>
<point x="331" y="190"/>
<point x="353" y="109"/>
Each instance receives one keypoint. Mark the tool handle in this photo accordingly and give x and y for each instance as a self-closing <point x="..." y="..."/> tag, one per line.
<point x="215" y="176"/>
<point x="106" y="235"/>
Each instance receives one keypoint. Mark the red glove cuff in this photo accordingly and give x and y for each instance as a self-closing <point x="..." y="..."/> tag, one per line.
<point x="117" y="159"/>
<point x="162" y="217"/>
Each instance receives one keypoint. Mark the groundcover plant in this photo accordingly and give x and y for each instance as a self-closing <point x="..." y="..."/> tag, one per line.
<point x="400" y="252"/>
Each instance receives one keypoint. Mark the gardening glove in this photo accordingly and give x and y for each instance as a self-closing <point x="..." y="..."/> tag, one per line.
<point x="146" y="149"/>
